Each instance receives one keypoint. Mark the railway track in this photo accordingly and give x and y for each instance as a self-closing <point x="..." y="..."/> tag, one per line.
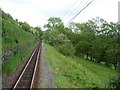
<point x="27" y="77"/>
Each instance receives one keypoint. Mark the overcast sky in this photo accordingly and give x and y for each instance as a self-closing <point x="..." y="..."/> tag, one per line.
<point x="37" y="12"/>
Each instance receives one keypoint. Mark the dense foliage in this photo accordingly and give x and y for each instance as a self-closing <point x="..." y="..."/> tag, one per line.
<point x="17" y="35"/>
<point x="55" y="36"/>
<point x="96" y="40"/>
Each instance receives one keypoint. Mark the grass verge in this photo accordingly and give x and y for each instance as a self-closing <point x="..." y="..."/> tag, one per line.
<point x="11" y="64"/>
<point x="77" y="72"/>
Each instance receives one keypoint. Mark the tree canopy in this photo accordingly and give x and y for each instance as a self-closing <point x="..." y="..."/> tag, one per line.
<point x="96" y="39"/>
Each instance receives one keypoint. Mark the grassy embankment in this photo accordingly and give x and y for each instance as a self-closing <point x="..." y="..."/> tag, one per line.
<point x="11" y="64"/>
<point x="17" y="40"/>
<point x="77" y="72"/>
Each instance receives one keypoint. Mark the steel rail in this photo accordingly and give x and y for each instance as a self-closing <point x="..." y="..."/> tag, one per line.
<point x="24" y="69"/>
<point x="36" y="64"/>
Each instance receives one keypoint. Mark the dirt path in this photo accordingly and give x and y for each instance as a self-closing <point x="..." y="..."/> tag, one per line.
<point x="46" y="75"/>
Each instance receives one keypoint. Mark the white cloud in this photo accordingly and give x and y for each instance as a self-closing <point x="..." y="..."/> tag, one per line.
<point x="37" y="12"/>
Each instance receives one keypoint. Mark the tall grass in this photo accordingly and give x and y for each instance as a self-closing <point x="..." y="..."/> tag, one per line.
<point x="77" y="72"/>
<point x="13" y="36"/>
<point x="10" y="65"/>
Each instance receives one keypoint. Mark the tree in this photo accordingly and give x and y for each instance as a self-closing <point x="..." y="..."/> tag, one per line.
<point x="38" y="31"/>
<point x="86" y="35"/>
<point x="53" y="22"/>
<point x="97" y="40"/>
<point x="54" y="33"/>
<point x="25" y="26"/>
<point x="57" y="36"/>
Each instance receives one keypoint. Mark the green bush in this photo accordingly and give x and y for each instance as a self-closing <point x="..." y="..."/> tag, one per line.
<point x="66" y="49"/>
<point x="114" y="83"/>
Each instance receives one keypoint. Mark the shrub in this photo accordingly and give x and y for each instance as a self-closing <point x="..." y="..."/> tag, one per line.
<point x="114" y="83"/>
<point x="66" y="49"/>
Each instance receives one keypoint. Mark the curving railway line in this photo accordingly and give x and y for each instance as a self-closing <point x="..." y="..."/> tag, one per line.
<point x="28" y="76"/>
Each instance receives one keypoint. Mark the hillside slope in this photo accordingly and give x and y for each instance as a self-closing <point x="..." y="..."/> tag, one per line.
<point x="13" y="36"/>
<point x="77" y="72"/>
<point x="17" y="44"/>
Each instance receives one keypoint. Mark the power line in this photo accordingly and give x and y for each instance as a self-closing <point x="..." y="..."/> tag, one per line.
<point x="73" y="11"/>
<point x="67" y="9"/>
<point x="80" y="11"/>
<point x="77" y="9"/>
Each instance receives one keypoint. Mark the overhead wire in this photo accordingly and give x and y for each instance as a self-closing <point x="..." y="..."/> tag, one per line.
<point x="80" y="11"/>
<point x="77" y="8"/>
<point x="68" y="8"/>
